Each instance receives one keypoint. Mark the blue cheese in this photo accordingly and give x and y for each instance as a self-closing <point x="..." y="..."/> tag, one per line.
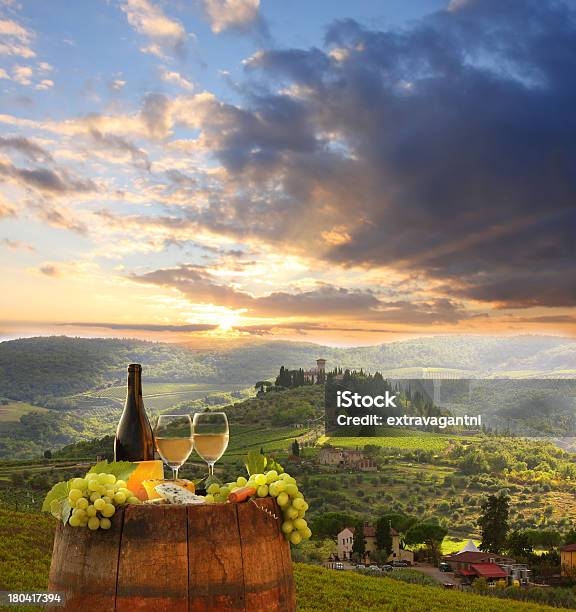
<point x="175" y="494"/>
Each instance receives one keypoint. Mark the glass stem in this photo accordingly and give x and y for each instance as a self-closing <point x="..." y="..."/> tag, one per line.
<point x="210" y="469"/>
<point x="175" y="473"/>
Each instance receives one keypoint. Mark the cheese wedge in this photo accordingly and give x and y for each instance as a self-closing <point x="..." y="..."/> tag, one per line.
<point x="150" y="486"/>
<point x="175" y="494"/>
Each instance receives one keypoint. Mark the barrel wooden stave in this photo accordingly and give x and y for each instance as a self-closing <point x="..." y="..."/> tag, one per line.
<point x="215" y="573"/>
<point x="85" y="565"/>
<point x="153" y="560"/>
<point x="212" y="558"/>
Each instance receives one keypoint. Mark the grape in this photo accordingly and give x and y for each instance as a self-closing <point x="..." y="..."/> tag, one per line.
<point x="94" y="496"/>
<point x="105" y="523"/>
<point x="224" y="492"/>
<point x="74" y="521"/>
<point x="283" y="499"/>
<point x="260" y="479"/>
<point x="91" y="511"/>
<point x="306" y="506"/>
<point x="134" y="500"/>
<point x="81" y="514"/>
<point x="291" y="489"/>
<point x="213" y="488"/>
<point x="300" y="524"/>
<point x="262" y="491"/>
<point x="280" y="486"/>
<point x="110" y="479"/>
<point x="298" y="503"/>
<point x="103" y="490"/>
<point x="108" y="510"/>
<point x="290" y="512"/>
<point x="300" y="494"/>
<point x="284" y="475"/>
<point x="82" y="503"/>
<point x="209" y="499"/>
<point x="126" y="492"/>
<point x="306" y="533"/>
<point x="271" y="476"/>
<point x="301" y="513"/>
<point x="121" y="484"/>
<point x="93" y="484"/>
<point x="78" y="483"/>
<point x="289" y="479"/>
<point x="295" y="538"/>
<point x="120" y="498"/>
<point x="241" y="481"/>
<point x="287" y="527"/>
<point x="93" y="523"/>
<point x="219" y="499"/>
<point x="74" y="496"/>
<point x="102" y="478"/>
<point x="99" y="504"/>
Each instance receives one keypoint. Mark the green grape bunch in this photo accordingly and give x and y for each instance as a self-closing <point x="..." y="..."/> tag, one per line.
<point x="94" y="499"/>
<point x="283" y="487"/>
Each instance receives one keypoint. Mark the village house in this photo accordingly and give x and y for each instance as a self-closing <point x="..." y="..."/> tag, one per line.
<point x="568" y="560"/>
<point x="346" y="543"/>
<point x="351" y="459"/>
<point x="470" y="563"/>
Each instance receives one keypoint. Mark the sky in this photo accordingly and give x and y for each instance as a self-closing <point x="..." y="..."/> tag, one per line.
<point x="331" y="171"/>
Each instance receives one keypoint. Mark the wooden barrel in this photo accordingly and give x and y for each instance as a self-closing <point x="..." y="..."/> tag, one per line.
<point x="198" y="558"/>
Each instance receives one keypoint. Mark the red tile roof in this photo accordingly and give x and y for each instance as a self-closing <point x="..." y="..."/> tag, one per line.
<point x="568" y="548"/>
<point x="475" y="557"/>
<point x="489" y="570"/>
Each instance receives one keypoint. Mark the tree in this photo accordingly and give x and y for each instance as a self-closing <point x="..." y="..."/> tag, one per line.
<point x="430" y="535"/>
<point x="47" y="454"/>
<point x="518" y="545"/>
<point x="570" y="537"/>
<point x="384" y="535"/>
<point x="493" y="522"/>
<point x="330" y="524"/>
<point x="296" y="448"/>
<point x="359" y="544"/>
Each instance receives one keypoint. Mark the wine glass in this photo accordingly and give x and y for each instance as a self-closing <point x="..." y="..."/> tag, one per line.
<point x="211" y="436"/>
<point x="174" y="440"/>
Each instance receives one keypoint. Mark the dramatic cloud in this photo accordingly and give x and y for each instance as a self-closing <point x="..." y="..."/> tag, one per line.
<point x="26" y="147"/>
<point x="15" y="40"/>
<point x="231" y="14"/>
<point x="175" y="78"/>
<point x="446" y="148"/>
<point x="123" y="147"/>
<point x="50" y="270"/>
<point x="192" y="327"/>
<point x="47" y="181"/>
<point x="199" y="286"/>
<point x="166" y="35"/>
<point x="16" y="245"/>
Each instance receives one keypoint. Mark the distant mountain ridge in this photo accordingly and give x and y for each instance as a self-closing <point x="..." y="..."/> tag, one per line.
<point x="58" y="366"/>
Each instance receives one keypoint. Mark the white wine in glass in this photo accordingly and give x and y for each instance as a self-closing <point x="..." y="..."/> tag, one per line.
<point x="211" y="436"/>
<point x="174" y="440"/>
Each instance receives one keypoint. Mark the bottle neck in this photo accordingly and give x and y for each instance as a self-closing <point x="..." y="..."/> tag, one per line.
<point x="135" y="387"/>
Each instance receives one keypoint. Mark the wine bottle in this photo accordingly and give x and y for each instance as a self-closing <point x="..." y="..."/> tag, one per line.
<point x="134" y="439"/>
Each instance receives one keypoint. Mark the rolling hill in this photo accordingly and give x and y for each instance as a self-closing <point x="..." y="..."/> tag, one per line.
<point x="81" y="381"/>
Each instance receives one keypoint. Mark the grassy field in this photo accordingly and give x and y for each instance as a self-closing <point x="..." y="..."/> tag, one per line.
<point x="161" y="396"/>
<point x="12" y="411"/>
<point x="26" y="548"/>
<point x="322" y="590"/>
<point x="397" y="439"/>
